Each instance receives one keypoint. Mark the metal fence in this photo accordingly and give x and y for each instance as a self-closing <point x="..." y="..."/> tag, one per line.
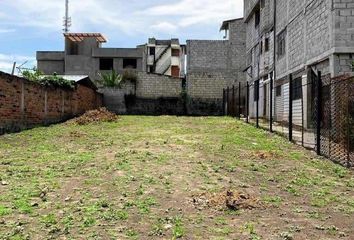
<point x="316" y="112"/>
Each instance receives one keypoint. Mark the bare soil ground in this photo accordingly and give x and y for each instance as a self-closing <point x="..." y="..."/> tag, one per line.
<point x="168" y="178"/>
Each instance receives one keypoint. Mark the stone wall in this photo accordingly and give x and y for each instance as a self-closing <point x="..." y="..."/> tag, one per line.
<point x="24" y="104"/>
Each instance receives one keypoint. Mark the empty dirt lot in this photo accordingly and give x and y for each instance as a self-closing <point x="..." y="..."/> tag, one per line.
<point x="168" y="178"/>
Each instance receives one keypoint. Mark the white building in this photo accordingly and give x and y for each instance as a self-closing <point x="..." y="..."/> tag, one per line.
<point x="166" y="57"/>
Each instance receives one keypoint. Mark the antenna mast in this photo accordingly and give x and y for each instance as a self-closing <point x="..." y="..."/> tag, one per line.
<point x="67" y="19"/>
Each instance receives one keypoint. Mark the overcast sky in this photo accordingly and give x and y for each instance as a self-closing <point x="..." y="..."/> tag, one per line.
<point x="30" y="25"/>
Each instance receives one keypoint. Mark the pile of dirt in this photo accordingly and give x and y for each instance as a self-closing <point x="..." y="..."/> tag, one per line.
<point x="228" y="199"/>
<point x="95" y="116"/>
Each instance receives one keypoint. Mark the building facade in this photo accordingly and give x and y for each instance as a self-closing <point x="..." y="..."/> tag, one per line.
<point x="166" y="57"/>
<point x="291" y="37"/>
<point x="213" y="65"/>
<point x="84" y="55"/>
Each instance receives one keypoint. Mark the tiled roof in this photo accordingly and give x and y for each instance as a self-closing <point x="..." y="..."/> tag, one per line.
<point x="78" y="37"/>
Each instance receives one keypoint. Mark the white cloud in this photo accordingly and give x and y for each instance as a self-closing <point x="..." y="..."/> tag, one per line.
<point x="7" y="61"/>
<point x="191" y="12"/>
<point x="132" y="18"/>
<point x="165" y="27"/>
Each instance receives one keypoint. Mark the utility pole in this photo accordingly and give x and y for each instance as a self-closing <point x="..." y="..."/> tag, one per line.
<point x="13" y="69"/>
<point x="67" y="19"/>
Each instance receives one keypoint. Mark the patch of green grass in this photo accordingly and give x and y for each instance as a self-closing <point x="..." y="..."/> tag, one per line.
<point x="223" y="231"/>
<point x="293" y="190"/>
<point x="220" y="221"/>
<point x="4" y="211"/>
<point x="131" y="233"/>
<point x="145" y="204"/>
<point x="273" y="200"/>
<point x="23" y="206"/>
<point x="88" y="222"/>
<point x="49" y="220"/>
<point x="250" y="228"/>
<point x="178" y="228"/>
<point x="114" y="215"/>
<point x="340" y="172"/>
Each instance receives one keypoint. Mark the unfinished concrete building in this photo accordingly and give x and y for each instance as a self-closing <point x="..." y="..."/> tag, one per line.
<point x="215" y="64"/>
<point x="309" y="34"/>
<point x="84" y="55"/>
<point x="166" y="57"/>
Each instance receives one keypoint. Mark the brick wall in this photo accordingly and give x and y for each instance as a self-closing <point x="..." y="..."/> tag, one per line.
<point x="24" y="104"/>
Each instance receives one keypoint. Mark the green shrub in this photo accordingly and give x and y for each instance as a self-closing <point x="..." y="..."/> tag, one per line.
<point x="37" y="76"/>
<point x="111" y="79"/>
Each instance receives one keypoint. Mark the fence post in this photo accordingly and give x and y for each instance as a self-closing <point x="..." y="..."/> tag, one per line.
<point x="271" y="103"/>
<point x="319" y="112"/>
<point x="227" y="101"/>
<point x="257" y="103"/>
<point x="290" y="107"/>
<point x="248" y="102"/>
<point x="239" y="100"/>
<point x="223" y="101"/>
<point x="348" y="123"/>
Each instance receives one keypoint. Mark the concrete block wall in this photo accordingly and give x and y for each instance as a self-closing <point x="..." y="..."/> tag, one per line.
<point x="209" y="85"/>
<point x="154" y="86"/>
<point x="208" y="55"/>
<point x="318" y="32"/>
<point x="344" y="63"/>
<point x="344" y="36"/>
<point x="216" y="64"/>
<point x="308" y="33"/>
<point x="24" y="104"/>
<point x="344" y="23"/>
<point x="151" y="94"/>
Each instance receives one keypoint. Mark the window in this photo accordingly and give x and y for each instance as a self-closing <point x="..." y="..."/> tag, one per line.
<point x="257" y="15"/>
<point x="106" y="64"/>
<point x="129" y="63"/>
<point x="175" y="52"/>
<point x="152" y="51"/>
<point x="266" y="45"/>
<point x="278" y="91"/>
<point x="261" y="47"/>
<point x="256" y="90"/>
<point x="74" y="48"/>
<point x="297" y="88"/>
<point x="281" y="44"/>
<point x="175" y="71"/>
